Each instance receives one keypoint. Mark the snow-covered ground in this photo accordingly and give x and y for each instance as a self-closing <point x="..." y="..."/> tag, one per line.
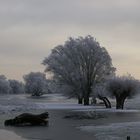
<point x="114" y="131"/>
<point x="9" y="103"/>
<point x="107" y="110"/>
<point x="21" y="103"/>
<point x="116" y="126"/>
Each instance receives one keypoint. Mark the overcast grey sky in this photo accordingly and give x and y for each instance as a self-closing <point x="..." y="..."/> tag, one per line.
<point x="29" y="29"/>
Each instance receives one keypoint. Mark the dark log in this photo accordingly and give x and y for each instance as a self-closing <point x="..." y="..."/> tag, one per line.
<point x="28" y="119"/>
<point x="44" y="115"/>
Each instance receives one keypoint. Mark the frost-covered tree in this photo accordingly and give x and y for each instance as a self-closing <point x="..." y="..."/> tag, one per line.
<point x="78" y="65"/>
<point x="16" y="87"/>
<point x="121" y="88"/>
<point x="4" y="85"/>
<point x="35" y="83"/>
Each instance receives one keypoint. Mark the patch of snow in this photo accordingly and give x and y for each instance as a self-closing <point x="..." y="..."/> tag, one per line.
<point x="114" y="131"/>
<point x="8" y="135"/>
<point x="61" y="106"/>
<point x="111" y="110"/>
<point x="133" y="103"/>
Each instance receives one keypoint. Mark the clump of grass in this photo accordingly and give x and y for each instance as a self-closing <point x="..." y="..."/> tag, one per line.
<point x="84" y="115"/>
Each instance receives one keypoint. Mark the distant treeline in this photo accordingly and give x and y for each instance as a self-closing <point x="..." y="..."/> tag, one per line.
<point x="10" y="86"/>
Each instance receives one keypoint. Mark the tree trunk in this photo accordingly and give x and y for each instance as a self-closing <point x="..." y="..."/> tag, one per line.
<point x="86" y="100"/>
<point x="86" y="95"/>
<point x="93" y="101"/>
<point x="80" y="100"/>
<point x="36" y="94"/>
<point x="105" y="100"/>
<point x="120" y="103"/>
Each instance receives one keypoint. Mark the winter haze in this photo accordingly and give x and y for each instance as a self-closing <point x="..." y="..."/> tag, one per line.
<point x="29" y="29"/>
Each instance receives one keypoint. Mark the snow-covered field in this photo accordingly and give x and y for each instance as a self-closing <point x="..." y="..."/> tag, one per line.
<point x="114" y="125"/>
<point x="9" y="103"/>
<point x="21" y="103"/>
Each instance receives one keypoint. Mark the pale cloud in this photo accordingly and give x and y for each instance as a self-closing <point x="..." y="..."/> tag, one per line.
<point x="31" y="28"/>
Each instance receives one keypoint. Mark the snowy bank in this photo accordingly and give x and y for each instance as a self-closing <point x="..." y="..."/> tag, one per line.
<point x="114" y="131"/>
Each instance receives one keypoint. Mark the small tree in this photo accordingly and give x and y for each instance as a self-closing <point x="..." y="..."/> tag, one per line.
<point x="121" y="88"/>
<point x="4" y="85"/>
<point x="16" y="87"/>
<point x="78" y="65"/>
<point x="35" y="83"/>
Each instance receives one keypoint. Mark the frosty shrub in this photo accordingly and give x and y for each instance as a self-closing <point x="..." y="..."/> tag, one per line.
<point x="78" y="65"/>
<point x="121" y="88"/>
<point x="35" y="83"/>
<point x="16" y="87"/>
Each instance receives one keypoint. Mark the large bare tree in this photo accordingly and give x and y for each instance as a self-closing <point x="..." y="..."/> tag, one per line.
<point x="78" y="65"/>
